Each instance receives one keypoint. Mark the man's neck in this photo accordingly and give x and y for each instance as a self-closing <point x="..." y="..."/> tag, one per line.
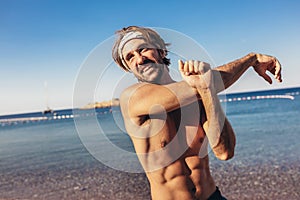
<point x="166" y="78"/>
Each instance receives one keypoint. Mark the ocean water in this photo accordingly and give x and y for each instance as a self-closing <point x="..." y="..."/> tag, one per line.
<point x="266" y="124"/>
<point x="267" y="127"/>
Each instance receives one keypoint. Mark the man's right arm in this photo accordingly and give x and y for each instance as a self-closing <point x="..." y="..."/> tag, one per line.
<point x="226" y="75"/>
<point x="144" y="98"/>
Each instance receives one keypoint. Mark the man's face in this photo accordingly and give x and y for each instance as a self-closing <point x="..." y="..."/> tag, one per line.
<point x="144" y="60"/>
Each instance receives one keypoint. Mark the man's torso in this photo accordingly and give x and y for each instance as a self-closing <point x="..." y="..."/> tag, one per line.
<point x="169" y="153"/>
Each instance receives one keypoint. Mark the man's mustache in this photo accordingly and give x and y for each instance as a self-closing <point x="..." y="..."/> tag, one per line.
<point x="146" y="61"/>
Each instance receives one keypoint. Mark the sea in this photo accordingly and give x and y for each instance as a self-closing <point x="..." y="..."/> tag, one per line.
<point x="266" y="124"/>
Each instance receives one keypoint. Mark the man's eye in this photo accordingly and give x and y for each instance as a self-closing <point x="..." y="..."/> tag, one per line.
<point x="128" y="57"/>
<point x="144" y="49"/>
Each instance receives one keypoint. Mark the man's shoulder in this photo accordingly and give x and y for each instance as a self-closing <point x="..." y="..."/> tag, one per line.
<point x="133" y="98"/>
<point x="135" y="89"/>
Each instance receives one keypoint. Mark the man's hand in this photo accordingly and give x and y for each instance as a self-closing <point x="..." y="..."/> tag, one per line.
<point x="264" y="63"/>
<point x="196" y="73"/>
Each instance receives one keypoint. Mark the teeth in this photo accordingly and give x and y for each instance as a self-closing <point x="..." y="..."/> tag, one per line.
<point x="145" y="69"/>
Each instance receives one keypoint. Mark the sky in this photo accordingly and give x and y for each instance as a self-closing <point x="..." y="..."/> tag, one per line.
<point x="43" y="44"/>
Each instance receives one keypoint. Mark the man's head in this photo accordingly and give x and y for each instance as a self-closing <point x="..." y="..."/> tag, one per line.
<point x="149" y="36"/>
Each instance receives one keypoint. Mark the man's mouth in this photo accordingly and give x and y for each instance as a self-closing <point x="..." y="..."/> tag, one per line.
<point x="146" y="67"/>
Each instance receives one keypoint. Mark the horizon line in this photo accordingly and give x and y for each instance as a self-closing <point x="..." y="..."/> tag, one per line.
<point x="220" y="94"/>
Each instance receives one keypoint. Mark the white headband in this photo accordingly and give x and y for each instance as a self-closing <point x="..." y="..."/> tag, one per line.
<point x="126" y="38"/>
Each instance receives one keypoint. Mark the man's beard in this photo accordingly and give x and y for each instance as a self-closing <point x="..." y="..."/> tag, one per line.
<point x="157" y="79"/>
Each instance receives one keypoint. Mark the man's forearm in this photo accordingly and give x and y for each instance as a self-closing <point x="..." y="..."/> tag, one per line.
<point x="218" y="129"/>
<point x="226" y="75"/>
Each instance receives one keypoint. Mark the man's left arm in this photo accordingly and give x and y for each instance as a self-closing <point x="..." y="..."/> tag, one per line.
<point x="218" y="130"/>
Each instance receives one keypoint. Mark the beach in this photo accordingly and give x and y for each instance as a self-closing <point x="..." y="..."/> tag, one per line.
<point x="97" y="182"/>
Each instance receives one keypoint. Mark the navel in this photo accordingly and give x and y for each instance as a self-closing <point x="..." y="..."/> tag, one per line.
<point x="193" y="190"/>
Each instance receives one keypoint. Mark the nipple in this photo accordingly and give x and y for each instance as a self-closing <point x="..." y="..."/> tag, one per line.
<point x="163" y="144"/>
<point x="201" y="140"/>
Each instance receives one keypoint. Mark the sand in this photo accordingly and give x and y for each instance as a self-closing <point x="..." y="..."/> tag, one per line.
<point x="94" y="181"/>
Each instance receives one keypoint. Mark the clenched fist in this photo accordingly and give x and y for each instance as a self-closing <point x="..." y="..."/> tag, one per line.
<point x="196" y="73"/>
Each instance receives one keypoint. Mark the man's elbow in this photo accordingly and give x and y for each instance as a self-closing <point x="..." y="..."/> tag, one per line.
<point x="226" y="150"/>
<point x="227" y="155"/>
<point x="223" y="152"/>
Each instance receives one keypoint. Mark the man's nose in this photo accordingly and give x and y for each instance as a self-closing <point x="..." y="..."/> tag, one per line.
<point x="140" y="59"/>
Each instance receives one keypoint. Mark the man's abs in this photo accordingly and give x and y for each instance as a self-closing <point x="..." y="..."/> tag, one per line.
<point x="172" y="182"/>
<point x="178" y="181"/>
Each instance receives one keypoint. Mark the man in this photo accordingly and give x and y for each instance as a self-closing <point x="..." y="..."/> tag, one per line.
<point x="170" y="123"/>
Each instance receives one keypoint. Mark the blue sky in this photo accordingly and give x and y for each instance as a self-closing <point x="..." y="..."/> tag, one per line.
<point x="49" y="40"/>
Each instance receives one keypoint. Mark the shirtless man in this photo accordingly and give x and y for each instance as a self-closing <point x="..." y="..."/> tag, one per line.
<point x="171" y="123"/>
